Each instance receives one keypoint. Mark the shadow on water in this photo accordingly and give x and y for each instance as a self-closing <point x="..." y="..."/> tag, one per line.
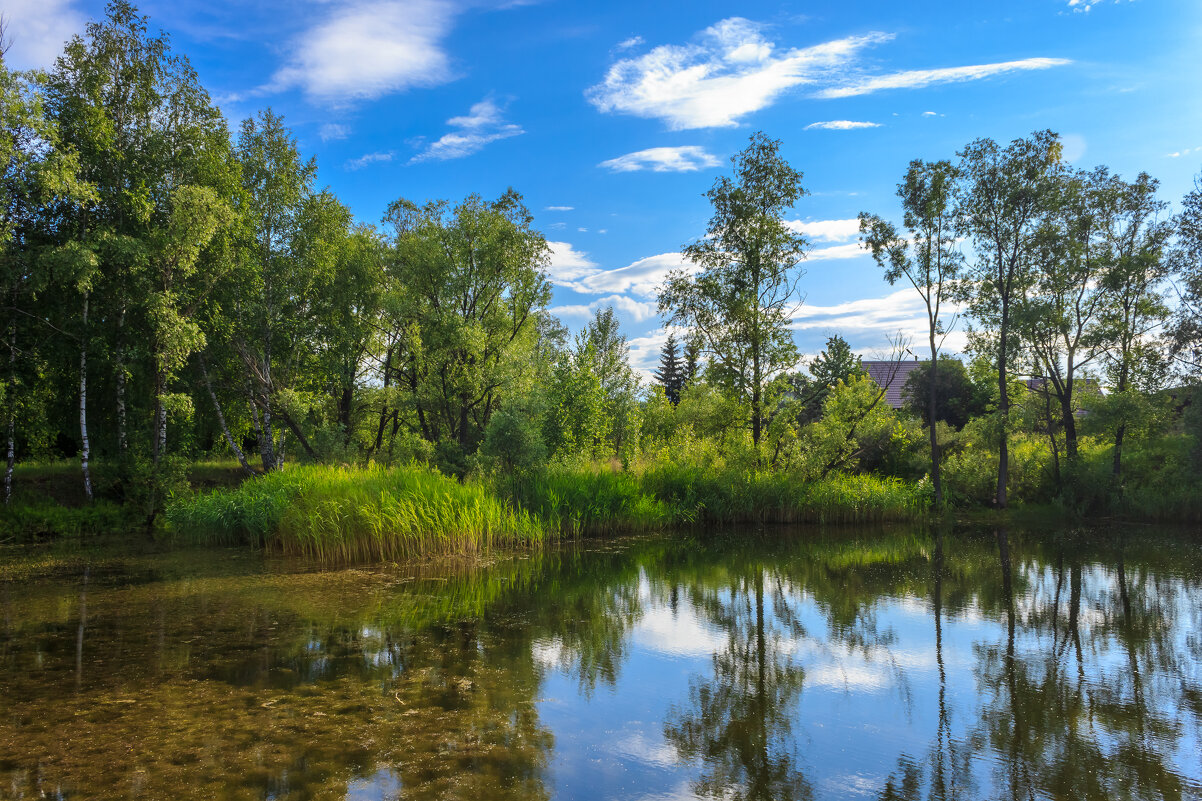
<point x="893" y="664"/>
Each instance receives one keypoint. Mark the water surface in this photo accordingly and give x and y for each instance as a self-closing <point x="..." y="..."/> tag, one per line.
<point x="895" y="664"/>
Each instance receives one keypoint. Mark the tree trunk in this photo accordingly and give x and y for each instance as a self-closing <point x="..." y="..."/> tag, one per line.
<point x="1003" y="468"/>
<point x="12" y="414"/>
<point x="85" y="452"/>
<point x="300" y="435"/>
<point x="932" y="407"/>
<point x="122" y="439"/>
<point x="1119" y="434"/>
<point x="225" y="429"/>
<point x="160" y="412"/>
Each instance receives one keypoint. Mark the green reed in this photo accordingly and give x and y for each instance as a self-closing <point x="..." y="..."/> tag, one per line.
<point x="353" y="514"/>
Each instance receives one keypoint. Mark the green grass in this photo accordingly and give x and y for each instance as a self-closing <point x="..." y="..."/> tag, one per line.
<point x="588" y="502"/>
<point x="357" y="514"/>
<point x="774" y="497"/>
<point x="349" y="514"/>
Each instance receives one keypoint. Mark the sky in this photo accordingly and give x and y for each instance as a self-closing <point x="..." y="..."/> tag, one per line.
<point x="613" y="119"/>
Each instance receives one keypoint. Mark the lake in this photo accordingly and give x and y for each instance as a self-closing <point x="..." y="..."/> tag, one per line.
<point x="894" y="663"/>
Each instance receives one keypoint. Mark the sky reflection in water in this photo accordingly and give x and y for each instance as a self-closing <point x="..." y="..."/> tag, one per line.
<point x="889" y="664"/>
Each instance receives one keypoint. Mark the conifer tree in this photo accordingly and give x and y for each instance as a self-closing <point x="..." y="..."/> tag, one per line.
<point x="670" y="374"/>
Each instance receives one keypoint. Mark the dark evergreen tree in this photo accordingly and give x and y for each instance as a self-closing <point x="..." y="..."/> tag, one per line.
<point x="670" y="374"/>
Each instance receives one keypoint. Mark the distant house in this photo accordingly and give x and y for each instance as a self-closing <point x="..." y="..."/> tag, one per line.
<point x="891" y="376"/>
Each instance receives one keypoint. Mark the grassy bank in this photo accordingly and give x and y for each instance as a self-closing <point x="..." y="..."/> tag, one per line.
<point x="348" y="514"/>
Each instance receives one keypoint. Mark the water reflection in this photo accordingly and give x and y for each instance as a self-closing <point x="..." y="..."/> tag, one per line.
<point x="895" y="665"/>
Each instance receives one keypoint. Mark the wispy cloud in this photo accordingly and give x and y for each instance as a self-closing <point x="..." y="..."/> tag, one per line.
<point x="729" y="71"/>
<point x="1184" y="152"/>
<point x="917" y="79"/>
<point x="38" y="29"/>
<point x="332" y="130"/>
<point x="841" y="125"/>
<point x="638" y="309"/>
<point x="867" y="322"/>
<point x="560" y="208"/>
<point x="568" y="264"/>
<point x="827" y="230"/>
<point x="849" y="251"/>
<point x="369" y="158"/>
<point x="685" y="158"/>
<point x="485" y="123"/>
<point x="573" y="269"/>
<point x="363" y="50"/>
<point x="633" y="41"/>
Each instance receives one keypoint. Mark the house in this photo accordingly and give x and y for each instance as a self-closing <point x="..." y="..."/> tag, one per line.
<point x="891" y="376"/>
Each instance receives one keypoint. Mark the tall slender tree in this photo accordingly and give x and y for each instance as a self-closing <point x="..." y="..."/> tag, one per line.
<point x="1002" y="205"/>
<point x="929" y="260"/>
<point x="740" y="302"/>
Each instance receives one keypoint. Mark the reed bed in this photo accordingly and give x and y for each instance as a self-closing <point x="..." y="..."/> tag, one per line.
<point x="361" y="514"/>
<point x="585" y="502"/>
<point x="774" y="497"/>
<point x="355" y="514"/>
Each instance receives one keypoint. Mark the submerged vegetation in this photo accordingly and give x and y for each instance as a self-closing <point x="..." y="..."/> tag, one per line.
<point x="179" y="296"/>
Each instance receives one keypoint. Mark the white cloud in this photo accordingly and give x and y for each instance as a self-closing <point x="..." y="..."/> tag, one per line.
<point x="685" y="158"/>
<point x="842" y="125"/>
<point x="1184" y="152"/>
<point x="866" y="323"/>
<point x="363" y="50"/>
<point x="643" y="277"/>
<point x="929" y="114"/>
<point x="827" y="230"/>
<point x="38" y="29"/>
<point x="633" y="41"/>
<point x="1082" y="6"/>
<point x="917" y="79"/>
<point x="849" y="251"/>
<point x="368" y="158"/>
<point x="568" y="264"/>
<point x="729" y="71"/>
<point x="639" y="310"/>
<point x="485" y="123"/>
<point x="560" y="208"/>
<point x="645" y="352"/>
<point x="332" y="130"/>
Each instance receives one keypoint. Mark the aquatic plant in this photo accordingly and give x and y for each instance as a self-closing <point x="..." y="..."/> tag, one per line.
<point x="350" y="514"/>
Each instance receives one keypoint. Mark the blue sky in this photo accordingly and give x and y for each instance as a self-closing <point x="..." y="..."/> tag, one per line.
<point x="614" y="118"/>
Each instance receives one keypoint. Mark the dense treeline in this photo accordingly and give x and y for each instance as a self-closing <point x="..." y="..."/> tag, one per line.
<point x="173" y="291"/>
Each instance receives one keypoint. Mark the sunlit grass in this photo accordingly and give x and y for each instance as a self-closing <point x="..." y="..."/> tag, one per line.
<point x="353" y="514"/>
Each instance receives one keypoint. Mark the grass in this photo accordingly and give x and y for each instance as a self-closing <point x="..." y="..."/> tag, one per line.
<point x="354" y="514"/>
<point x="358" y="514"/>
<point x="774" y="497"/>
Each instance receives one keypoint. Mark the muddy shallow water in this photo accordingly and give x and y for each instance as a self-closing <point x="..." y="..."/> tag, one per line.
<point x="893" y="663"/>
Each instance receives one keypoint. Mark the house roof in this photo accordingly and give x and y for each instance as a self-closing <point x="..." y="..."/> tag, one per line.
<point x="890" y="376"/>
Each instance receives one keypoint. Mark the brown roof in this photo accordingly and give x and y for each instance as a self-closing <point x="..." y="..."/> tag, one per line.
<point x="890" y="376"/>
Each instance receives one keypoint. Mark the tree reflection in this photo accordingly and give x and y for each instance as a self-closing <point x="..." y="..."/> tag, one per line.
<point x="738" y="722"/>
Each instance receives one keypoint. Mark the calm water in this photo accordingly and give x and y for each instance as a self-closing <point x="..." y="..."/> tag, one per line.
<point x="882" y="664"/>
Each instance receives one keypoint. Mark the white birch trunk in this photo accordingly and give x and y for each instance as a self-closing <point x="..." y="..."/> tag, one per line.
<point x="86" y="446"/>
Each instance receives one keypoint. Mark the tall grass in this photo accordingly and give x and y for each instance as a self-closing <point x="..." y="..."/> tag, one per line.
<point x="590" y="502"/>
<point x="347" y="514"/>
<point x="733" y="496"/>
<point x="355" y="514"/>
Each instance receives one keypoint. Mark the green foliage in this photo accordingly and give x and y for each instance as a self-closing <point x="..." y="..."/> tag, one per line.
<point x="958" y="398"/>
<point x="512" y="442"/>
<point x="346" y="514"/>
<point x="739" y="304"/>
